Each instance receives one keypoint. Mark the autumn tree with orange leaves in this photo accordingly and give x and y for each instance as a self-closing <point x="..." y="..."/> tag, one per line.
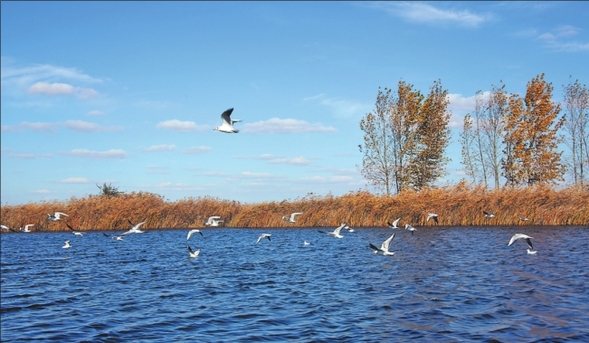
<point x="531" y="140"/>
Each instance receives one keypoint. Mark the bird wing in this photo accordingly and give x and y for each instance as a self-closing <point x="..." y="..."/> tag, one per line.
<point x="516" y="237"/>
<point x="69" y="227"/>
<point x="137" y="226"/>
<point x="226" y="116"/>
<point x="189" y="249"/>
<point x="373" y="247"/>
<point x="293" y="215"/>
<point x="529" y="241"/>
<point x="385" y="245"/>
<point x="57" y="214"/>
<point x="338" y="229"/>
<point x="436" y="219"/>
<point x="28" y="226"/>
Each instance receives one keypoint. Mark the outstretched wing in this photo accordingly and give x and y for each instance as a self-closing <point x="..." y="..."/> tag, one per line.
<point x="385" y="244"/>
<point x="226" y="116"/>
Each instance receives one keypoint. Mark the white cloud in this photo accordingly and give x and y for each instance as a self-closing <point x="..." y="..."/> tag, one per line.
<point x="113" y="153"/>
<point x="341" y="107"/>
<point x="557" y="39"/>
<point x="57" y="88"/>
<point x="419" y="12"/>
<point x="41" y="191"/>
<point x="162" y="147"/>
<point x="39" y="127"/>
<point x="95" y="113"/>
<point x="25" y="76"/>
<point x="75" y="180"/>
<point x="182" y="126"/>
<point x="83" y="126"/>
<point x="277" y="125"/>
<point x="197" y="150"/>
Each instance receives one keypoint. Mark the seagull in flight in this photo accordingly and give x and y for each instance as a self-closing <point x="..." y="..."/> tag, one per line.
<point x="488" y="215"/>
<point x="306" y="243"/>
<point x="74" y="231"/>
<point x="192" y="253"/>
<point x="227" y="125"/>
<point x="67" y="245"/>
<point x="213" y="221"/>
<point x="335" y="233"/>
<point x="384" y="247"/>
<point x="26" y="229"/>
<point x="264" y="235"/>
<point x="528" y="239"/>
<point x="134" y="229"/>
<point x="4" y="227"/>
<point x="432" y="216"/>
<point x="115" y="237"/>
<point x="410" y="228"/>
<point x="193" y="231"/>
<point x="523" y="219"/>
<point x="291" y="219"/>
<point x="394" y="224"/>
<point x="57" y="216"/>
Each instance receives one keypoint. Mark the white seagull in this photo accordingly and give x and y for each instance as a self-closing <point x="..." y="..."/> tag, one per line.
<point x="4" y="227"/>
<point x="213" y="221"/>
<point x="528" y="239"/>
<point x="306" y="243"/>
<point x="26" y="229"/>
<point x="192" y="253"/>
<point x="227" y="125"/>
<point x="291" y="219"/>
<point x="55" y="217"/>
<point x="348" y="228"/>
<point x="264" y="235"/>
<point x="193" y="231"/>
<point x="432" y="216"/>
<point x="410" y="228"/>
<point x="134" y="229"/>
<point x="394" y="224"/>
<point x="74" y="231"/>
<point x="67" y="245"/>
<point x="384" y="247"/>
<point x="488" y="215"/>
<point x="523" y="219"/>
<point x="335" y="233"/>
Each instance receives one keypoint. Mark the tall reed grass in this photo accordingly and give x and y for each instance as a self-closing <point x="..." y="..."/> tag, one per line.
<point x="458" y="205"/>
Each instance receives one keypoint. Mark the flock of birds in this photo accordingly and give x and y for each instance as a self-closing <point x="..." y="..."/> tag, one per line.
<point x="215" y="221"/>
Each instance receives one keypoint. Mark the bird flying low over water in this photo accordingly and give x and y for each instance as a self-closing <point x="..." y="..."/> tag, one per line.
<point x="523" y="219"/>
<point x="291" y="219"/>
<point x="410" y="228"/>
<point x="67" y="245"/>
<point x="227" y="125"/>
<point x="192" y="253"/>
<point x="73" y="231"/>
<point x="213" y="221"/>
<point x="432" y="216"/>
<point x="4" y="227"/>
<point x="528" y="239"/>
<point x="335" y="233"/>
<point x="488" y="215"/>
<point x="57" y="216"/>
<point x="264" y="235"/>
<point x="26" y="229"/>
<point x="384" y="247"/>
<point x="394" y="224"/>
<point x="193" y="231"/>
<point x="134" y="229"/>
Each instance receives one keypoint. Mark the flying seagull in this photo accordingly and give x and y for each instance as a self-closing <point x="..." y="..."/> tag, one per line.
<point x="192" y="253"/>
<point x="67" y="245"/>
<point x="213" y="221"/>
<point x="26" y="229"/>
<point x="264" y="235"/>
<point x="74" y="231"/>
<point x="193" y="231"/>
<point x="432" y="216"/>
<point x="291" y="219"/>
<point x="488" y="215"/>
<point x="394" y="224"/>
<point x="410" y="228"/>
<point x="335" y="233"/>
<point x="134" y="229"/>
<point x="57" y="216"/>
<point x="4" y="227"/>
<point x="227" y="125"/>
<point x="306" y="243"/>
<point x="523" y="219"/>
<point x="384" y="247"/>
<point x="528" y="239"/>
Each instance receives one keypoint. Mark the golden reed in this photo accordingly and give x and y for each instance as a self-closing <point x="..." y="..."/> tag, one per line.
<point x="458" y="205"/>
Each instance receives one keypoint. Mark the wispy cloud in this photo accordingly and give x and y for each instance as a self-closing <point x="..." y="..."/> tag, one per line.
<point x="53" y="89"/>
<point x="277" y="125"/>
<point x="197" y="150"/>
<point x="341" y="107"/>
<point x="559" y="39"/>
<point x="422" y="13"/>
<point x="84" y="126"/>
<point x="161" y="147"/>
<point x="460" y="105"/>
<point x="181" y="126"/>
<point x="95" y="113"/>
<point x="113" y="153"/>
<point x="30" y="156"/>
<point x="294" y="161"/>
<point x="39" y="127"/>
<point x="75" y="180"/>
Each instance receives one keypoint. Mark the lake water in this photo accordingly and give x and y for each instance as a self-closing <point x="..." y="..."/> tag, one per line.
<point x="442" y="285"/>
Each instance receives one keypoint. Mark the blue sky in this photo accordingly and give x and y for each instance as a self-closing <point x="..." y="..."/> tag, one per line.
<point x="128" y="93"/>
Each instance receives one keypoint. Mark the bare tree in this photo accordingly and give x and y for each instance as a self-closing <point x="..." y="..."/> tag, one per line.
<point x="467" y="140"/>
<point x="576" y="102"/>
<point x="492" y="128"/>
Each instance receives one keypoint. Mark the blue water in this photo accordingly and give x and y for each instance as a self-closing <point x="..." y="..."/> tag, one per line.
<point x="442" y="285"/>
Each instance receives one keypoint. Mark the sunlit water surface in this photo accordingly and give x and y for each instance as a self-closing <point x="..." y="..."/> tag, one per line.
<point x="442" y="285"/>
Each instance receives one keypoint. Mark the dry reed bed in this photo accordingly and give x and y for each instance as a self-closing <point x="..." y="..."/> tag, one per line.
<point x="458" y="205"/>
